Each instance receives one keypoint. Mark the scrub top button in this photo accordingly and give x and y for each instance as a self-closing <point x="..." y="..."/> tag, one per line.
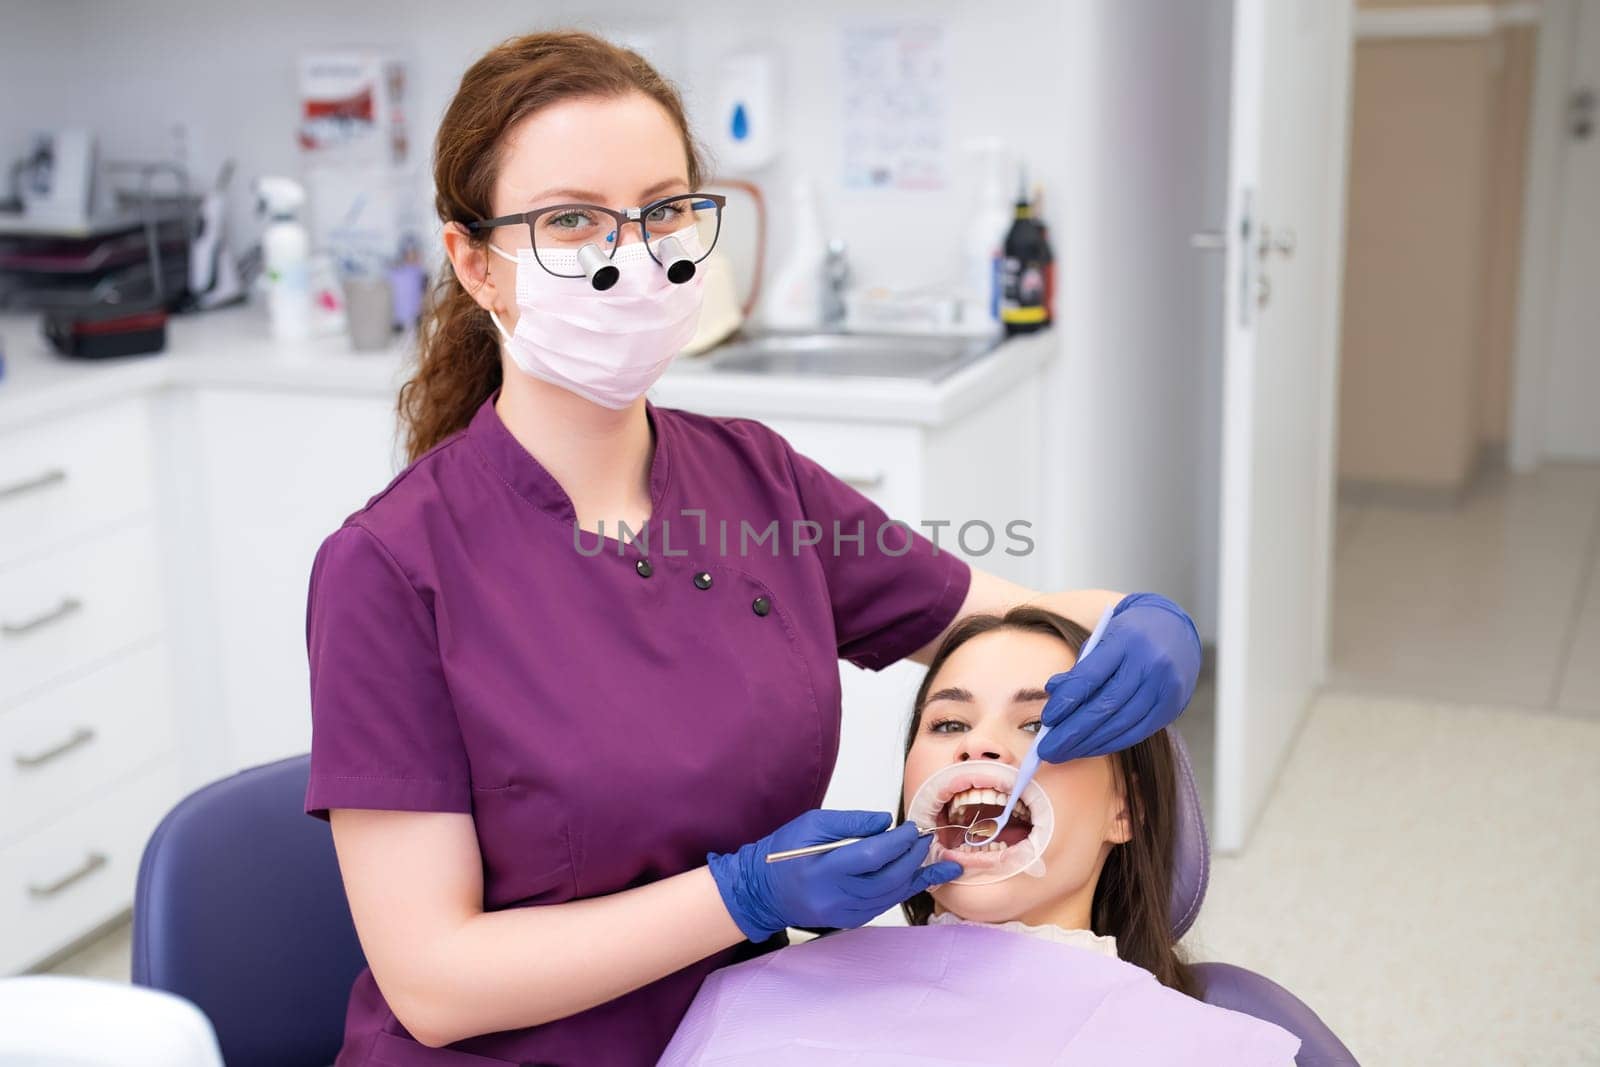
<point x="761" y="605"/>
<point x="702" y="580"/>
<point x="644" y="568"/>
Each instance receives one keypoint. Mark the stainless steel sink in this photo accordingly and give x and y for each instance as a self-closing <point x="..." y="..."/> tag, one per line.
<point x="855" y="355"/>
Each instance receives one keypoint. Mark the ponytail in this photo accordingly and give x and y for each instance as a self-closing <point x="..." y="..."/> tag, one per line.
<point x="458" y="366"/>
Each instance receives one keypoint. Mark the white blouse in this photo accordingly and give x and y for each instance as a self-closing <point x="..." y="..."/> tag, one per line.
<point x="1104" y="944"/>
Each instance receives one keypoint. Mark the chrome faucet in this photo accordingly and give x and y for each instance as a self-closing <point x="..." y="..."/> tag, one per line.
<point x="835" y="279"/>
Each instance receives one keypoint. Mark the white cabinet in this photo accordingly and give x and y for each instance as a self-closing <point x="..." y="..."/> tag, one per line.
<point x="87" y="719"/>
<point x="278" y="472"/>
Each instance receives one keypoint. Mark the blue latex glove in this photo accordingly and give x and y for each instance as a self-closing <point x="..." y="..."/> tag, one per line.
<point x="841" y="889"/>
<point x="1135" y="682"/>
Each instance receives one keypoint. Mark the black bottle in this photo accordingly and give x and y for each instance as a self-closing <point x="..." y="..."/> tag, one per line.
<point x="1028" y="273"/>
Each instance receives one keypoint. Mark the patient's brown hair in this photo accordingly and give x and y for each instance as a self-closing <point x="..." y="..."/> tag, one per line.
<point x="1131" y="897"/>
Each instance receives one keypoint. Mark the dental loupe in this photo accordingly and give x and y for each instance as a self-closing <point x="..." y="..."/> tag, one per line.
<point x="604" y="272"/>
<point x="675" y="260"/>
<point x="598" y="268"/>
<point x="964" y="799"/>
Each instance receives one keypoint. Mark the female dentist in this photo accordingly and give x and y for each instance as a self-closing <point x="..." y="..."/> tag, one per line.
<point x="512" y="708"/>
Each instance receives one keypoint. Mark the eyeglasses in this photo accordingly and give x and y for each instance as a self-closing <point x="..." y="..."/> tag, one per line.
<point x="557" y="233"/>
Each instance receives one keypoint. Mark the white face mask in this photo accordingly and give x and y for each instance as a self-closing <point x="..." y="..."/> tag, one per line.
<point x="608" y="347"/>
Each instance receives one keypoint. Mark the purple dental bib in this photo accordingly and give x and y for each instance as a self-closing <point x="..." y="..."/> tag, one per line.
<point x="898" y="996"/>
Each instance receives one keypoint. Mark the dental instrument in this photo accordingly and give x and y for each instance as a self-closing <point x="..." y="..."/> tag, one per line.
<point x="829" y="846"/>
<point x="1030" y="762"/>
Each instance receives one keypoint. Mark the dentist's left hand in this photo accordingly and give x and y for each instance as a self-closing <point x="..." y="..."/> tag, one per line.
<point x="841" y="889"/>
<point x="1134" y="682"/>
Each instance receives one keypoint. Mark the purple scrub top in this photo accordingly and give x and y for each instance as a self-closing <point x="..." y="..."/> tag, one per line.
<point x="608" y="712"/>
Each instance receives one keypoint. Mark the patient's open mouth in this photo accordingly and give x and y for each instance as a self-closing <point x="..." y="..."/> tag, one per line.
<point x="977" y="806"/>
<point x="966" y="793"/>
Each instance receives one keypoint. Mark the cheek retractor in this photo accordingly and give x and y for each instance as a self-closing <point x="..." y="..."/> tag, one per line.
<point x="983" y="864"/>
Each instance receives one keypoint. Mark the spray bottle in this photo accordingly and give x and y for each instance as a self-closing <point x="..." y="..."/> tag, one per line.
<point x="285" y="258"/>
<point x="981" y="251"/>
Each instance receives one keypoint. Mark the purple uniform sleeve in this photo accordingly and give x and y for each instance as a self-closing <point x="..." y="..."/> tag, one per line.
<point x="892" y="592"/>
<point x="383" y="727"/>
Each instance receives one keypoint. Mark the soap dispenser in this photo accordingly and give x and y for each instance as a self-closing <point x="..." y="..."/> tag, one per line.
<point x="745" y="134"/>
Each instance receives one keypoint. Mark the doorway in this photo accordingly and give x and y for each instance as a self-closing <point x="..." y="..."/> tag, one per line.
<point x="1468" y="536"/>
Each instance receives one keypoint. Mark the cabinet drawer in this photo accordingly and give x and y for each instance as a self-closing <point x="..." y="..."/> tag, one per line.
<point x="881" y="461"/>
<point x="69" y="476"/>
<point x="73" y="873"/>
<point x="63" y="744"/>
<point x="72" y="608"/>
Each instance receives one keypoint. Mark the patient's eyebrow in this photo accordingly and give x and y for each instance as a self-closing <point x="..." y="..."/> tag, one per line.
<point x="1027" y="695"/>
<point x="949" y="692"/>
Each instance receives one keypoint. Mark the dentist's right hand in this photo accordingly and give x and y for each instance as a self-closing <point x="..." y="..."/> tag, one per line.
<point x="841" y="889"/>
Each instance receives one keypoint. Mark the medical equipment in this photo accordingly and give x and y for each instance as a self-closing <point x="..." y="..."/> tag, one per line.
<point x="985" y="858"/>
<point x="829" y="846"/>
<point x="213" y="272"/>
<point x="675" y="260"/>
<point x="1030" y="762"/>
<point x="600" y="271"/>
<point x="842" y="889"/>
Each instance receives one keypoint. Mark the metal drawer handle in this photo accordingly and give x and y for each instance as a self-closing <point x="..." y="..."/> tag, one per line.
<point x="53" y="476"/>
<point x="91" y="863"/>
<point x="81" y="736"/>
<point x="864" y="481"/>
<point x="68" y="606"/>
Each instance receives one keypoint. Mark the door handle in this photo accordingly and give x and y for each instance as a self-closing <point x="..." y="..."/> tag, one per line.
<point x="1281" y="242"/>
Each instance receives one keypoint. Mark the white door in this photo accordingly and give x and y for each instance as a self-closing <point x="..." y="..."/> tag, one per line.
<point x="1285" y="220"/>
<point x="1572" y="397"/>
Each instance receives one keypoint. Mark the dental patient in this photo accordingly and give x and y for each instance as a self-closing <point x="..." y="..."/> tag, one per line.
<point x="1053" y="947"/>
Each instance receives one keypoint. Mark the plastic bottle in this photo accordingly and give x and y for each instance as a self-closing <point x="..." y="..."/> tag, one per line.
<point x="982" y="249"/>
<point x="285" y="258"/>
<point x="795" y="301"/>
<point x="1028" y="279"/>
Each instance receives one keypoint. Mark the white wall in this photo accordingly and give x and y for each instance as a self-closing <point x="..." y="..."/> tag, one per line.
<point x="228" y="72"/>
<point x="1118" y="104"/>
<point x="1141" y="394"/>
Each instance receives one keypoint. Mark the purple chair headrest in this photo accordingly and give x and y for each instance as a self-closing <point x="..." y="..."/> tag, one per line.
<point x="1191" y="860"/>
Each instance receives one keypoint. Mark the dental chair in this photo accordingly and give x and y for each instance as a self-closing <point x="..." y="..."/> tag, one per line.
<point x="1228" y="986"/>
<point x="239" y="908"/>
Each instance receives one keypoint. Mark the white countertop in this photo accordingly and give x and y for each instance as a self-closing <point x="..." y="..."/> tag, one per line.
<point x="231" y="349"/>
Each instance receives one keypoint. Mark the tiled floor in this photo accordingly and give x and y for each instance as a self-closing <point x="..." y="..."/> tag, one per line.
<point x="1425" y="878"/>
<point x="108" y="956"/>
<point x="1493" y="602"/>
